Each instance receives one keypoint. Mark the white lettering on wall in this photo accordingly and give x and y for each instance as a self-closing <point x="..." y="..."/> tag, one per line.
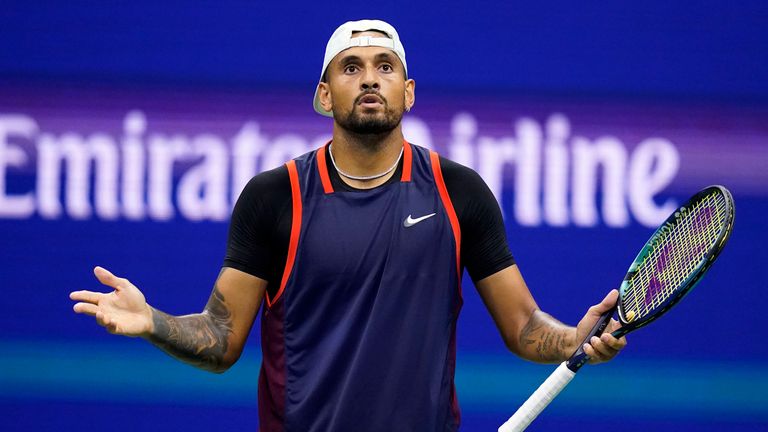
<point x="463" y="132"/>
<point x="203" y="188"/>
<point x="552" y="177"/>
<point x="655" y="163"/>
<point x="283" y="148"/>
<point x="163" y="153"/>
<point x="603" y="158"/>
<point x="134" y="165"/>
<point x="77" y="154"/>
<point x="600" y="167"/>
<point x="417" y="132"/>
<point x="247" y="145"/>
<point x="556" y="171"/>
<point x="14" y="206"/>
<point x="527" y="180"/>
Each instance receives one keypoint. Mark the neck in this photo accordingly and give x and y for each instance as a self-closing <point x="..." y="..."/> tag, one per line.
<point x="366" y="155"/>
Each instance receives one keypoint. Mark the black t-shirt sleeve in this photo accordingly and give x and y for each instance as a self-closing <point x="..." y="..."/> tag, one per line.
<point x="484" y="248"/>
<point x="261" y="221"/>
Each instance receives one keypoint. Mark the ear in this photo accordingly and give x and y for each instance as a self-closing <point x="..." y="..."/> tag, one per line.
<point x="324" y="96"/>
<point x="410" y="94"/>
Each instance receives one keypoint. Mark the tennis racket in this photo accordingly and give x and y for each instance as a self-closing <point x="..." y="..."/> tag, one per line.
<point x="670" y="264"/>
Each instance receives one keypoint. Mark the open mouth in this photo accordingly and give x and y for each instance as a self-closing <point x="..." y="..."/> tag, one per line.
<point x="370" y="100"/>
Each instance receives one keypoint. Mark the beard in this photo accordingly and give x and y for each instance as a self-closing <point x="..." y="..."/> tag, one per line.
<point x="375" y="123"/>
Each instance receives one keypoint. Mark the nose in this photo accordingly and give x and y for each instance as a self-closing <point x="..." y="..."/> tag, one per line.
<point x="369" y="80"/>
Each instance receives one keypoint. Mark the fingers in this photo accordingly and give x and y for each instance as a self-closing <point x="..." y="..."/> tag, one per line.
<point x="86" y="308"/>
<point x="609" y="301"/>
<point x="598" y="351"/>
<point x="606" y="304"/>
<point x="88" y="304"/>
<point x="93" y="310"/>
<point x="105" y="321"/>
<point x="107" y="278"/>
<point x="86" y="296"/>
<point x="605" y="347"/>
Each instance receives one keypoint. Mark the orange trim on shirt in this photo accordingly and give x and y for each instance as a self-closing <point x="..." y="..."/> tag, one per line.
<point x="446" y="199"/>
<point x="407" y="162"/>
<point x="293" y="244"/>
<point x="322" y="167"/>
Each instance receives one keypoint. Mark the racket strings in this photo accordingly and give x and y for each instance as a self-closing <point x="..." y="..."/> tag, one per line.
<point x="674" y="255"/>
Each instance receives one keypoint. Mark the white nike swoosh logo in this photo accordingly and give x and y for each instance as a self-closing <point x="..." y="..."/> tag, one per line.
<point x="409" y="221"/>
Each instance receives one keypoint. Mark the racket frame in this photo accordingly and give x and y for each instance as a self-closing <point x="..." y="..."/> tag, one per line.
<point x="557" y="381"/>
<point x="693" y="279"/>
<point x="579" y="357"/>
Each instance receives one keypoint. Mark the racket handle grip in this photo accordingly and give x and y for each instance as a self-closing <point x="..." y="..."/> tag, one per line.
<point x="579" y="358"/>
<point x="539" y="400"/>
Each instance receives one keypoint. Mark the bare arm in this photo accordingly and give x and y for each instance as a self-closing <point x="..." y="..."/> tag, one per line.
<point x="212" y="340"/>
<point x="535" y="335"/>
<point x="546" y="340"/>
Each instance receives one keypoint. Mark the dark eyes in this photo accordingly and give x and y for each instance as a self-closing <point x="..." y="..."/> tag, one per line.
<point x="351" y="68"/>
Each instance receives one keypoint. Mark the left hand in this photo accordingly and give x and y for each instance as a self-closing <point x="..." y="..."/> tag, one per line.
<point x="603" y="348"/>
<point x="123" y="311"/>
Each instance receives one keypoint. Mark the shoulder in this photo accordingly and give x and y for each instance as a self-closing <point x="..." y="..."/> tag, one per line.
<point x="463" y="182"/>
<point x="484" y="249"/>
<point x="278" y="177"/>
<point x="455" y="170"/>
<point x="266" y="181"/>
<point x="472" y="199"/>
<point x="266" y="189"/>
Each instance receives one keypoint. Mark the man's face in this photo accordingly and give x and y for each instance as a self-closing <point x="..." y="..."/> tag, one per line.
<point x="366" y="89"/>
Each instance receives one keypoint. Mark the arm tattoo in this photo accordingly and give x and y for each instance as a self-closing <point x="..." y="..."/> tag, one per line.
<point x="547" y="337"/>
<point x="200" y="339"/>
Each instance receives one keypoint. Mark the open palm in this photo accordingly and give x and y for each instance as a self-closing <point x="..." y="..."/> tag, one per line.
<point x="123" y="311"/>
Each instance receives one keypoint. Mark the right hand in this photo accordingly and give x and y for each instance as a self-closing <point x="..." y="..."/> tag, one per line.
<point x="604" y="347"/>
<point x="123" y="311"/>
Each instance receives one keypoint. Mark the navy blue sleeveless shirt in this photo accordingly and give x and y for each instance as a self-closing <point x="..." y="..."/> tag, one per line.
<point x="361" y="335"/>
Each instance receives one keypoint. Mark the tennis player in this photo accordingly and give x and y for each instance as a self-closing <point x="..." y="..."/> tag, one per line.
<point x="357" y="250"/>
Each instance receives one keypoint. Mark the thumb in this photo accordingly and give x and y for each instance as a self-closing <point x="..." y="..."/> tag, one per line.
<point x="607" y="303"/>
<point x="106" y="277"/>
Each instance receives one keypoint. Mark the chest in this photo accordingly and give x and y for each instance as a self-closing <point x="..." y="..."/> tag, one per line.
<point x="403" y="226"/>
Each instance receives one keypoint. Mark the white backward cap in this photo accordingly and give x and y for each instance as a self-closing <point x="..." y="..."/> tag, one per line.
<point x="342" y="39"/>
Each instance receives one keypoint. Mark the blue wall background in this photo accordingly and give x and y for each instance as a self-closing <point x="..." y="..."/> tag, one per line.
<point x="699" y="49"/>
<point x="693" y="74"/>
